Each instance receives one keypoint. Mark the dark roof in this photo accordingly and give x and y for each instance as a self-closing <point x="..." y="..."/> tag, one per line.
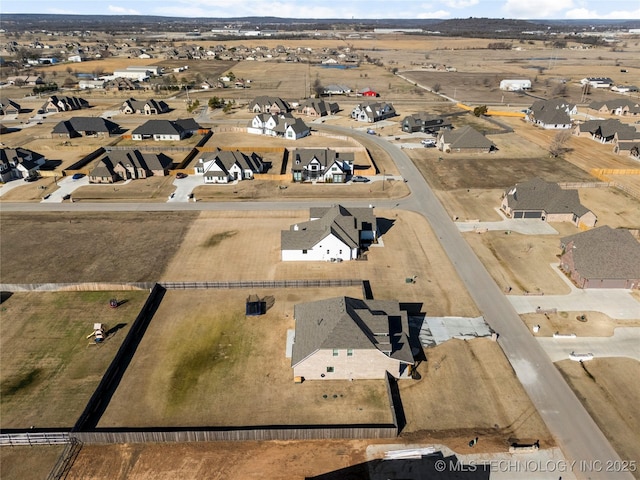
<point x="226" y="159"/>
<point x="325" y="156"/>
<point x="263" y="100"/>
<point x="537" y="194"/>
<point x="165" y="127"/>
<point x="19" y="155"/>
<point x="350" y="323"/>
<point x="86" y="124"/>
<point x="607" y="128"/>
<point x="132" y="158"/>
<point x="605" y="252"/>
<point x="466" y="137"/>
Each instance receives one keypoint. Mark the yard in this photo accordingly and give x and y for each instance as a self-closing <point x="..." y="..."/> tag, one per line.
<point x="89" y="247"/>
<point x="49" y="368"/>
<point x="202" y="362"/>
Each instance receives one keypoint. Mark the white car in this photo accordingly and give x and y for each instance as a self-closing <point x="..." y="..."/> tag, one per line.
<point x="428" y="142"/>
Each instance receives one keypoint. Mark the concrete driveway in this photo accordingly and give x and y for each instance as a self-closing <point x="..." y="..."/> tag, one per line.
<point x="66" y="186"/>
<point x="523" y="226"/>
<point x="625" y="342"/>
<point x="184" y="188"/>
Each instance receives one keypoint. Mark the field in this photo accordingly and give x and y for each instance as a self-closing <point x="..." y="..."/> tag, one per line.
<point x="49" y="368"/>
<point x="27" y="463"/>
<point x="202" y="362"/>
<point x="89" y="247"/>
<point x="609" y="390"/>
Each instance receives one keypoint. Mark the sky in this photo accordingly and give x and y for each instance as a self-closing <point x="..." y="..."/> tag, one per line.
<point x="364" y="9"/>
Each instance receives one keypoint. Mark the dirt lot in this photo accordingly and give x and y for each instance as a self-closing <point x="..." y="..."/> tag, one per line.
<point x="609" y="390"/>
<point x="28" y="463"/>
<point x="597" y="325"/>
<point x="210" y="252"/>
<point x="49" y="368"/>
<point x="89" y="247"/>
<point x="202" y="362"/>
<point x="153" y="189"/>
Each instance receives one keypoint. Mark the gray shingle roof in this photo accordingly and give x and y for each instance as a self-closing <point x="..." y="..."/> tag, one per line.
<point x="86" y="124"/>
<point x="350" y="323"/>
<point x="605" y="252"/>
<point x="537" y="194"/>
<point x="466" y="137"/>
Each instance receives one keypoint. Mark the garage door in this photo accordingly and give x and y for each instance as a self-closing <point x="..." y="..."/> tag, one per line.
<point x="532" y="214"/>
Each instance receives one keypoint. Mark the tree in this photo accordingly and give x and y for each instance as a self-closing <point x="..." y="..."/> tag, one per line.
<point x="227" y="108"/>
<point x="193" y="105"/>
<point x="215" y="102"/>
<point x="318" y="89"/>
<point x="559" y="143"/>
<point x="480" y="111"/>
<point x="436" y="88"/>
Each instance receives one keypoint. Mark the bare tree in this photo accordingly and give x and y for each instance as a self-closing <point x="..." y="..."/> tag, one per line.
<point x="436" y="88"/>
<point x="559" y="143"/>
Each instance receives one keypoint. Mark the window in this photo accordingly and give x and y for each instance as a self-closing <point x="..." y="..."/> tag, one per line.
<point x="350" y="352"/>
<point x="340" y="251"/>
<point x="335" y="352"/>
<point x="329" y="369"/>
<point x="327" y="251"/>
<point x="304" y="252"/>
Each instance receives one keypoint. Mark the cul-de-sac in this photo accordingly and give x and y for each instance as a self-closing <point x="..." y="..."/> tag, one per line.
<point x="319" y="249"/>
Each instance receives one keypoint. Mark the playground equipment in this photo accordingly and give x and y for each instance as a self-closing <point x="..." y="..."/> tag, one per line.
<point x="113" y="303"/>
<point x="98" y="332"/>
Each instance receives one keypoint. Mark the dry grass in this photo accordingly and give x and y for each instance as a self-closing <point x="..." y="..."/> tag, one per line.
<point x="49" y="368"/>
<point x="152" y="189"/>
<point x="597" y="325"/>
<point x="89" y="247"/>
<point x="202" y="362"/>
<point x="19" y="463"/>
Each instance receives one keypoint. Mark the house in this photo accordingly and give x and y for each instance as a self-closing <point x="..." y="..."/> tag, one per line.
<point x="345" y="338"/>
<point x="617" y="106"/>
<point x="466" y="139"/>
<point x="129" y="164"/>
<point x="321" y="165"/>
<point x="515" y="85"/>
<point x="373" y="112"/>
<point x="597" y="82"/>
<point x="87" y="126"/>
<point x="166" y="130"/>
<point x="424" y="122"/>
<point x="551" y="114"/>
<point x="624" y="88"/>
<point x="268" y="104"/>
<point x="334" y="233"/>
<point x="9" y="107"/>
<point x="227" y="166"/>
<point x="314" y="107"/>
<point x="546" y="201"/>
<point x="120" y="84"/>
<point x="91" y="84"/>
<point x="281" y="125"/>
<point x="19" y="163"/>
<point x="367" y="92"/>
<point x="604" y="131"/>
<point x="144" y="107"/>
<point x="57" y="104"/>
<point x="336" y="90"/>
<point x="20" y="80"/>
<point x="602" y="258"/>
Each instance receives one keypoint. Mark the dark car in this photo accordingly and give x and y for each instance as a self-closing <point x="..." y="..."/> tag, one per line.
<point x="77" y="176"/>
<point x="30" y="179"/>
<point x="359" y="179"/>
<point x="181" y="175"/>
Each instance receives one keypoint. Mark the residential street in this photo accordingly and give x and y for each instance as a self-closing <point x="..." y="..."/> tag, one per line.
<point x="576" y="433"/>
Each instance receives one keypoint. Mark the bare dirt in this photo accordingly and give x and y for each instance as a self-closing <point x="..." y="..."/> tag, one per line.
<point x="597" y="325"/>
<point x="89" y="247"/>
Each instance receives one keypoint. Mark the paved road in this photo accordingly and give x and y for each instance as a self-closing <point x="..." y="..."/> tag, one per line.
<point x="568" y="421"/>
<point x="624" y="343"/>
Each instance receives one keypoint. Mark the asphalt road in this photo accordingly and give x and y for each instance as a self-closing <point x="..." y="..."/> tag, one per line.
<point x="574" y="430"/>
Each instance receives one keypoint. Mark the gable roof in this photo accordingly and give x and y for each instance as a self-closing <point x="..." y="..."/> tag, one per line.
<point x="608" y="128"/>
<point x="350" y="323"/>
<point x="131" y="159"/>
<point x="325" y="156"/>
<point x="86" y="124"/>
<point x="537" y="194"/>
<point x="18" y="156"/>
<point x="605" y="252"/>
<point x="264" y="100"/>
<point x="167" y="127"/>
<point x="466" y="137"/>
<point x="225" y="159"/>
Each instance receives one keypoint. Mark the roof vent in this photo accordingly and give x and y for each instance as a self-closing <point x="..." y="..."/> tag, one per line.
<point x="295" y="227"/>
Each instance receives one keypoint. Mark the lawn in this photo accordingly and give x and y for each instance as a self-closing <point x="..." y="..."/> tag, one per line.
<point x="49" y="368"/>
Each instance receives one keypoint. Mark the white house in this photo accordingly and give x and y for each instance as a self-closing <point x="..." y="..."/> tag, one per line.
<point x="281" y="125"/>
<point x="19" y="163"/>
<point x="321" y="165"/>
<point x="515" y="85"/>
<point x="332" y="234"/>
<point x="226" y="166"/>
<point x="597" y="82"/>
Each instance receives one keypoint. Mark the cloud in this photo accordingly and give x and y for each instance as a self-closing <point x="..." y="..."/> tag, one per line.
<point x="460" y="3"/>
<point x="537" y="9"/>
<point x="122" y="10"/>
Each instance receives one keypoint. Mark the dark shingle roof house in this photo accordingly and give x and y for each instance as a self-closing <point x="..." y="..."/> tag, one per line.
<point x="268" y="104"/>
<point x="348" y="338"/>
<point x="602" y="258"/>
<point x="78" y="126"/>
<point x="166" y="129"/>
<point x="465" y="138"/>
<point x="537" y="198"/>
<point x="57" y="103"/>
<point x="19" y="163"/>
<point x="146" y="107"/>
<point x="129" y="164"/>
<point x="424" y="122"/>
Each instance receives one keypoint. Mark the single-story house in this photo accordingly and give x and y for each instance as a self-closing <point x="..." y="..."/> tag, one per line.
<point x="19" y="163"/>
<point x="424" y="122"/>
<point x="346" y="338"/>
<point x="334" y="233"/>
<point x="336" y="90"/>
<point x="373" y="112"/>
<point x="546" y="201"/>
<point x="268" y="104"/>
<point x="603" y="257"/>
<point x="466" y="139"/>
<point x="281" y="125"/>
<point x="56" y="104"/>
<point x="145" y="107"/>
<point x="30" y="80"/>
<point x="87" y="126"/>
<point x="227" y="166"/>
<point x="515" y="85"/>
<point x="9" y="107"/>
<point x="166" y="130"/>
<point x="314" y="107"/>
<point x="617" y="106"/>
<point x="321" y="165"/>
<point x="604" y="131"/>
<point x="129" y="164"/>
<point x="551" y="114"/>
<point x="597" y="82"/>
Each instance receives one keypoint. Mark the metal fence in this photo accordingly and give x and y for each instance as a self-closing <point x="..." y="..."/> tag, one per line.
<point x="34" y="438"/>
<point x="260" y="284"/>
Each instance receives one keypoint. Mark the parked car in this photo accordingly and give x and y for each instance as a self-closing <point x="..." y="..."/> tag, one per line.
<point x="360" y="179"/>
<point x="77" y="176"/>
<point x="30" y="179"/>
<point x="181" y="175"/>
<point x="371" y="131"/>
<point x="66" y="197"/>
<point x="428" y="142"/>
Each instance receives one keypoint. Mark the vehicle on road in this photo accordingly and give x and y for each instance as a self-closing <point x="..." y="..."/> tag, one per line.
<point x="181" y="175"/>
<point x="371" y="131"/>
<point x="360" y="179"/>
<point x="428" y="142"/>
<point x="77" y="176"/>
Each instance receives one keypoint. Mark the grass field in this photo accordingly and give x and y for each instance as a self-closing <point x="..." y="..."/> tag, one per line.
<point x="26" y="463"/>
<point x="49" y="369"/>
<point x="89" y="247"/>
<point x="202" y="362"/>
